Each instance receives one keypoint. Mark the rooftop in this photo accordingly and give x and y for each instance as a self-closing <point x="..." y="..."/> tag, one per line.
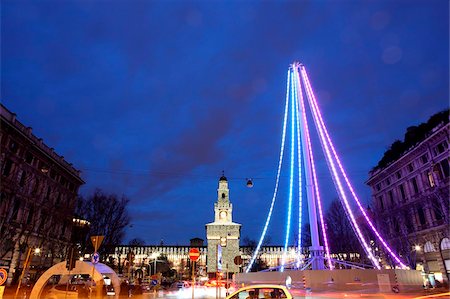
<point x="414" y="135"/>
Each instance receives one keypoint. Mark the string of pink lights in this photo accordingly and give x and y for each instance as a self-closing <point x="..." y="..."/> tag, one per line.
<point x="300" y="191"/>
<point x="313" y="167"/>
<point x="341" y="168"/>
<point x="300" y="130"/>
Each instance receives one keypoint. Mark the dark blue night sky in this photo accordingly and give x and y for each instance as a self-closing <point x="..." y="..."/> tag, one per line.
<point x="153" y="99"/>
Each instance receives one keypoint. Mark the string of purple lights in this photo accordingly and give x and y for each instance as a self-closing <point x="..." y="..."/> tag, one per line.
<point x="341" y="168"/>
<point x="300" y="130"/>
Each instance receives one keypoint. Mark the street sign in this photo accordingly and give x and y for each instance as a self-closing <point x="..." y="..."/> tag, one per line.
<point x="96" y="242"/>
<point x="194" y="254"/>
<point x="238" y="260"/>
<point x="154" y="282"/>
<point x="95" y="258"/>
<point x="3" y="276"/>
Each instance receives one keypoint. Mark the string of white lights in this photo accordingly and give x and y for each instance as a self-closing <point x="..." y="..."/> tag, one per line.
<point x="280" y="162"/>
<point x="291" y="178"/>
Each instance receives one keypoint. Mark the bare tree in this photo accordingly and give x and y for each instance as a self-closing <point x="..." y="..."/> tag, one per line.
<point x="108" y="216"/>
<point x="341" y="236"/>
<point x="306" y="235"/>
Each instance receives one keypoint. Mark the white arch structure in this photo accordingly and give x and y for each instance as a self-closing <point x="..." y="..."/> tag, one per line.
<point x="81" y="267"/>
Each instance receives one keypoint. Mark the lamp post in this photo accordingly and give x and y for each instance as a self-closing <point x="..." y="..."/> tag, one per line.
<point x="25" y="266"/>
<point x="415" y="248"/>
<point x="154" y="257"/>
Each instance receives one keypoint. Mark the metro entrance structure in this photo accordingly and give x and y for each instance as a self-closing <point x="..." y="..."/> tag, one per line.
<point x="302" y="170"/>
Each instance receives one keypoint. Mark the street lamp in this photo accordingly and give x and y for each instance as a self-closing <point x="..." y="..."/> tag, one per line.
<point x="36" y="251"/>
<point x="249" y="183"/>
<point x="416" y="248"/>
<point x="154" y="256"/>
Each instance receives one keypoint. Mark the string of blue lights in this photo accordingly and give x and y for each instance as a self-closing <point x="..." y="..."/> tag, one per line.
<point x="300" y="133"/>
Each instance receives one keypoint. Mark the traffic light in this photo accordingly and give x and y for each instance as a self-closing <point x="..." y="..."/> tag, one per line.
<point x="71" y="258"/>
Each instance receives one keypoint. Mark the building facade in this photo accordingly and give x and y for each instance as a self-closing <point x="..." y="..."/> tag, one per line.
<point x="223" y="234"/>
<point x="38" y="194"/>
<point x="410" y="198"/>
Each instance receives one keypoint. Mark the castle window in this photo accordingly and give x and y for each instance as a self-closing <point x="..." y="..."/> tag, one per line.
<point x="410" y="167"/>
<point x="13" y="147"/>
<point x="438" y="214"/>
<point x="7" y="168"/>
<point x="421" y="214"/>
<point x="16" y="207"/>
<point x="445" y="244"/>
<point x="431" y="179"/>
<point x="429" y="247"/>
<point x="36" y="185"/>
<point x="23" y="176"/>
<point x="415" y="187"/>
<point x="424" y="158"/>
<point x="441" y="147"/>
<point x="398" y="174"/>
<point x="49" y="190"/>
<point x="391" y="197"/>
<point x="445" y="168"/>
<point x="29" y="158"/>
<point x="223" y="195"/>
<point x="402" y="192"/>
<point x="437" y="170"/>
<point x="30" y="215"/>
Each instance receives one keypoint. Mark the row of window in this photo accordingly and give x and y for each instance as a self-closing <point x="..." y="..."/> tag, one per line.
<point x="24" y="177"/>
<point x="397" y="195"/>
<point x="33" y="217"/>
<point x="417" y="220"/>
<point x="31" y="160"/>
<point x="437" y="150"/>
<point x="30" y="183"/>
<point x="408" y="189"/>
<point x="429" y="247"/>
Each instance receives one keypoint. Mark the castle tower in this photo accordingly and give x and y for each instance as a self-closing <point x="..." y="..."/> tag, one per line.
<point x="223" y="231"/>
